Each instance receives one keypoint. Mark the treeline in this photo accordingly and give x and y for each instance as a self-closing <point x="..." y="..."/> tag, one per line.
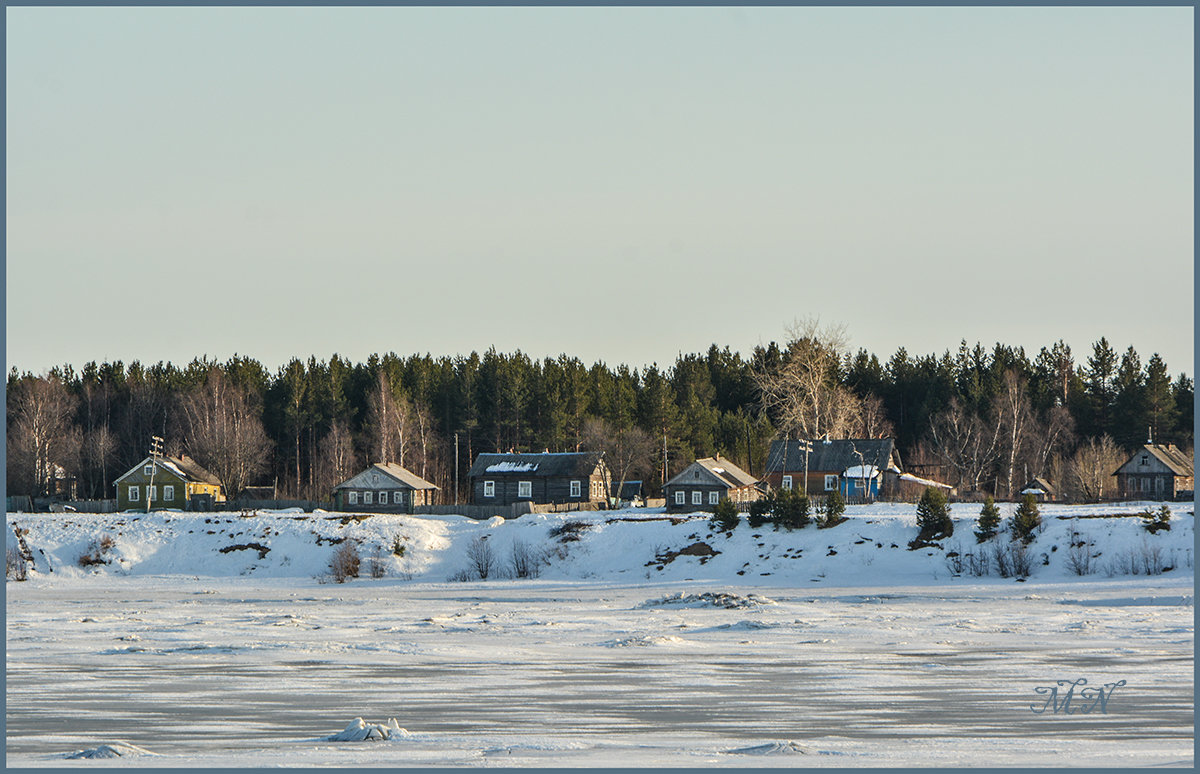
<point x="978" y="418"/>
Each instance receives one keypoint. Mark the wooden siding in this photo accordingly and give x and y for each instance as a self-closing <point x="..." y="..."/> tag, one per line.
<point x="745" y="494"/>
<point x="546" y="489"/>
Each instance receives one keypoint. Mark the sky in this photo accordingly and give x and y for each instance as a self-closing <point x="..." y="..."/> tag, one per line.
<point x="619" y="184"/>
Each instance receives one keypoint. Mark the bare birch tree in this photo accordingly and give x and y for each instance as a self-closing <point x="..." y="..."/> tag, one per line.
<point x="1014" y="417"/>
<point x="1089" y="473"/>
<point x="224" y="432"/>
<point x="626" y="452"/>
<point x="337" y="460"/>
<point x="387" y="421"/>
<point x="803" y="396"/>
<point x="41" y="433"/>
<point x="967" y="444"/>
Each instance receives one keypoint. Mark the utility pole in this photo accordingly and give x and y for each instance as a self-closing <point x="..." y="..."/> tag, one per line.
<point x="456" y="468"/>
<point x="807" y="447"/>
<point x="155" y="453"/>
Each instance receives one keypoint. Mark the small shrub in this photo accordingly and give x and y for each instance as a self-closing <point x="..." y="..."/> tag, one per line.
<point x="568" y="531"/>
<point x="1000" y="558"/>
<point x="933" y="515"/>
<point x="725" y="518"/>
<point x="398" y="546"/>
<point x="1079" y="555"/>
<point x="345" y="562"/>
<point x="1026" y="519"/>
<point x="832" y="511"/>
<point x="15" y="567"/>
<point x="760" y="511"/>
<point x="1022" y="561"/>
<point x="790" y="509"/>
<point x="1154" y="520"/>
<point x="525" y="562"/>
<point x="989" y="520"/>
<point x="978" y="564"/>
<point x="97" y="552"/>
<point x="480" y="557"/>
<point x="376" y="566"/>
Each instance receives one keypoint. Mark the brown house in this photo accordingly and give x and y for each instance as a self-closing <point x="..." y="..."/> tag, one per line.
<point x="549" y="477"/>
<point x="1156" y="472"/>
<point x="383" y="488"/>
<point x="701" y="485"/>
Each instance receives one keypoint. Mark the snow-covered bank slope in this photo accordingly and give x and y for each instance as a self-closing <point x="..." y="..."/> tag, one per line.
<point x="871" y="548"/>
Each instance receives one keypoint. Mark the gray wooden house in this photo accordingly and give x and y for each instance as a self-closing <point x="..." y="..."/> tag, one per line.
<point x="383" y="488"/>
<point x="167" y="482"/>
<point x="701" y="485"/>
<point x="549" y="477"/>
<point x="1156" y="472"/>
<point x="873" y="465"/>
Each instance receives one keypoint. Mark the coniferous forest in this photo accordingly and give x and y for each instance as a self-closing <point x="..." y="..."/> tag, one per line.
<point x="984" y="420"/>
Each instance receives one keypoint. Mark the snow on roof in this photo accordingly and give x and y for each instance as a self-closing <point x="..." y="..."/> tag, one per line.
<point x="925" y="481"/>
<point x="511" y="467"/>
<point x="171" y="466"/>
<point x="861" y="471"/>
<point x="1033" y="491"/>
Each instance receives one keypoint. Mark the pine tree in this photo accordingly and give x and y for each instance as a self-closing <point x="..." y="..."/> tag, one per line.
<point x="790" y="509"/>
<point x="1026" y="519"/>
<point x="725" y="517"/>
<point x="933" y="515"/>
<point x="989" y="520"/>
<point x="832" y="511"/>
<point x="760" y="511"/>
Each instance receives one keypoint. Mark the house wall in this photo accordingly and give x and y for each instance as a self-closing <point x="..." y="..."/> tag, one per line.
<point x="162" y="477"/>
<point x="546" y="489"/>
<point x="736" y="494"/>
<point x="408" y="499"/>
<point x="816" y="480"/>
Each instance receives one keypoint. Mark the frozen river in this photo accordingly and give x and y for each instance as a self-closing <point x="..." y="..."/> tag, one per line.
<point x="237" y="672"/>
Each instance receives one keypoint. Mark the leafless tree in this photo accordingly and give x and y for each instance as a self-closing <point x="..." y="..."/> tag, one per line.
<point x="337" y="460"/>
<point x="387" y="421"/>
<point x="42" y="436"/>
<point x="1089" y="473"/>
<point x="803" y="396"/>
<point x="224" y="432"/>
<point x="1014" y="417"/>
<point x="626" y="452"/>
<point x="1049" y="436"/>
<point x="966" y="443"/>
<point x="97" y="450"/>
<point x="872" y="420"/>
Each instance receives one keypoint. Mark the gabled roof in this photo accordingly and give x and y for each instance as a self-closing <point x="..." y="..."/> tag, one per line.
<point x="1168" y="454"/>
<point x="719" y="469"/>
<point x="630" y="490"/>
<point x="833" y="456"/>
<point x="581" y="464"/>
<point x="185" y="467"/>
<point x="1037" y="482"/>
<point x="385" y="474"/>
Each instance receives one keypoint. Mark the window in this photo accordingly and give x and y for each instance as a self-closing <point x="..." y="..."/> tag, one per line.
<point x="1145" y="459"/>
<point x="367" y="498"/>
<point x="576" y="488"/>
<point x="524" y="489"/>
<point x="787" y="482"/>
<point x="714" y="498"/>
<point x="830" y="483"/>
<point x="397" y="497"/>
<point x="383" y="498"/>
<point x="353" y="498"/>
<point x="489" y="488"/>
<point x="134" y="494"/>
<point x="168" y="492"/>
<point x="148" y="470"/>
<point x="697" y="497"/>
<point x="152" y="493"/>
<point x="679" y="497"/>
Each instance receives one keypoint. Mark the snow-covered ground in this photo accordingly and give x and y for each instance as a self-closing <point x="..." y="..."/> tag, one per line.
<point x="644" y="640"/>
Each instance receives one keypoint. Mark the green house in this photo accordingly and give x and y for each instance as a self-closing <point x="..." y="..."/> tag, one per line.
<point x="168" y="483"/>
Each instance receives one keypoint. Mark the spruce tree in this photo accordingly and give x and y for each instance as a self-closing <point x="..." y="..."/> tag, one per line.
<point x="1026" y="519"/>
<point x="989" y="520"/>
<point x="725" y="516"/>
<point x="832" y="511"/>
<point x="790" y="510"/>
<point x="933" y="515"/>
<point x="760" y="511"/>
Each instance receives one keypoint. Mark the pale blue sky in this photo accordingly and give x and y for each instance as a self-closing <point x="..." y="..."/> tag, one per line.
<point x="618" y="184"/>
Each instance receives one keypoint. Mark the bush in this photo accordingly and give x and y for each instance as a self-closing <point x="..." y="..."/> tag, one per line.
<point x="376" y="567"/>
<point x="1079" y="555"/>
<point x="933" y="515"/>
<point x="760" y="511"/>
<point x="398" y="546"/>
<point x="1026" y="519"/>
<point x="525" y="562"/>
<point x="1012" y="559"/>
<point x="832" y="510"/>
<point x="789" y="509"/>
<point x="480" y="557"/>
<point x="15" y="567"/>
<point x="1154" y="520"/>
<point x="345" y="562"/>
<point x="97" y="552"/>
<point x="989" y="520"/>
<point x="725" y="518"/>
<point x="568" y="531"/>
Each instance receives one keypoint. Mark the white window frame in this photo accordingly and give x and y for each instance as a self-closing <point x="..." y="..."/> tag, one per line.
<point x="135" y="493"/>
<point x="525" y="489"/>
<point x="398" y="497"/>
<point x="576" y="488"/>
<point x="148" y="470"/>
<point x="169" y="492"/>
<point x="352" y="497"/>
<point x="368" y="498"/>
<point x="152" y="493"/>
<point x="383" y="498"/>
<point x="786" y="483"/>
<point x="831" y="482"/>
<point x="714" y="497"/>
<point x="489" y="488"/>
<point x="697" y="497"/>
<point x="680" y="497"/>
